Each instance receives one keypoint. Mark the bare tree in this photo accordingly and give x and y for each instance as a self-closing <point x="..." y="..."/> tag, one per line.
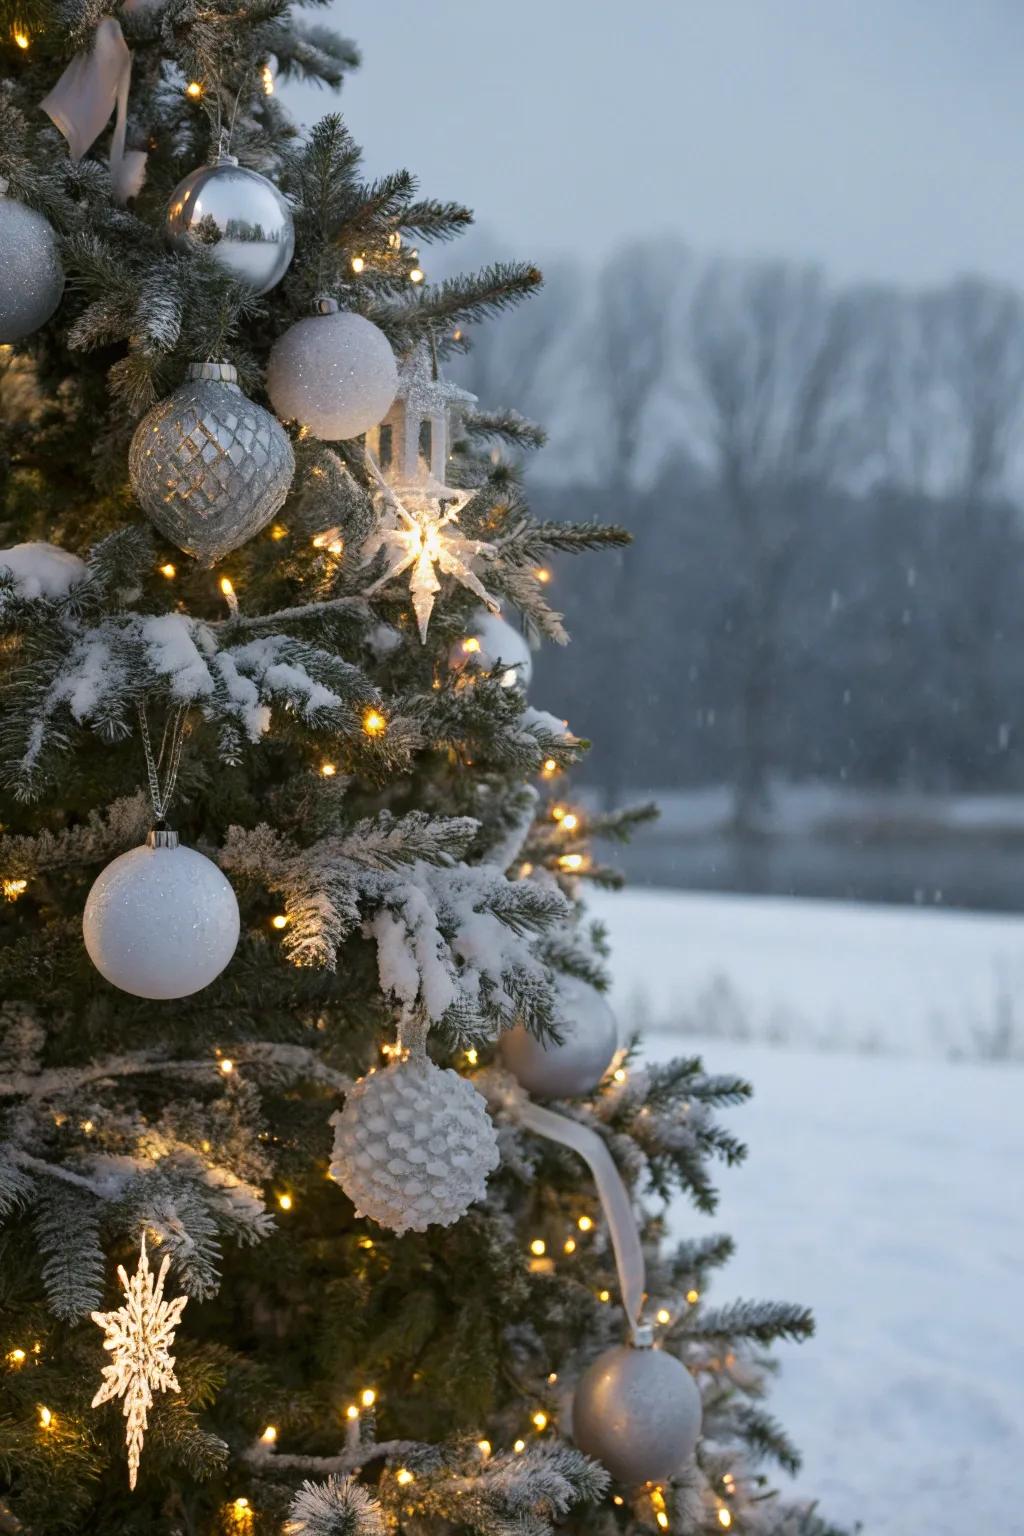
<point x="774" y="394"/>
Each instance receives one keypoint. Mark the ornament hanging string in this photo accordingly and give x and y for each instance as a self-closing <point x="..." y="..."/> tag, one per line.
<point x="614" y="1197"/>
<point x="171" y="745"/>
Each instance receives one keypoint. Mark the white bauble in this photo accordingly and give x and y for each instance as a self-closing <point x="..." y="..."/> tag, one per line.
<point x="161" y="920"/>
<point x="638" y="1412"/>
<point x="413" y="1146"/>
<point x="491" y="639"/>
<point x="31" y="276"/>
<point x="333" y="372"/>
<point x="590" y="1038"/>
<point x="239" y="217"/>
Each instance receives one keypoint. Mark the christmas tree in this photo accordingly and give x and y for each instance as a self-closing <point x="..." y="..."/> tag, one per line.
<point x="293" y="940"/>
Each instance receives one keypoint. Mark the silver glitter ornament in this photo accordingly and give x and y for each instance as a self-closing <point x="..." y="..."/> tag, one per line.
<point x="333" y="372"/>
<point x="31" y="276"/>
<point x="638" y="1412"/>
<point x="161" y="920"/>
<point x="413" y="1145"/>
<point x="209" y="466"/>
<point x="239" y="216"/>
<point x="590" y="1038"/>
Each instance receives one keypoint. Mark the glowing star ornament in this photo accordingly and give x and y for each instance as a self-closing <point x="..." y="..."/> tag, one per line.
<point x="139" y="1336"/>
<point x="424" y="535"/>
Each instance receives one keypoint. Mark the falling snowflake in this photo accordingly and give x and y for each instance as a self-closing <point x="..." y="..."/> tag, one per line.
<point x="140" y="1334"/>
<point x="426" y="534"/>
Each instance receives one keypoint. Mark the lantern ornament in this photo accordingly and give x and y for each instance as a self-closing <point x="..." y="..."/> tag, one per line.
<point x="412" y="444"/>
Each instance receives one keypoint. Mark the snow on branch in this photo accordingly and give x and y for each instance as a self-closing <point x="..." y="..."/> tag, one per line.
<point x="338" y="1507"/>
<point x="122" y="824"/>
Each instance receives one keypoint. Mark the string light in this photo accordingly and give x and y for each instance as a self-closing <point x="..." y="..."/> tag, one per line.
<point x="328" y="770"/>
<point x="558" y="813"/>
<point x="403" y="1476"/>
<point x="368" y="1397"/>
<point x="549" y="767"/>
<point x="484" y="1447"/>
<point x="267" y="77"/>
<point x="169" y="570"/>
<point x="352" y="1412"/>
<point x="571" y="862"/>
<point x="471" y="645"/>
<point x="662" y="1519"/>
<point x="693" y="1297"/>
<point x="226" y="586"/>
<point x="194" y="89"/>
<point x="279" y="921"/>
<point x="552" y="1378"/>
<point x="724" y="1518"/>
<point x="604" y="1295"/>
<point x="472" y="1056"/>
<point x="358" y="264"/>
<point x="46" y="1418"/>
<point x="664" y="1316"/>
<point x="88" y="1127"/>
<point x="585" y="1224"/>
<point x="519" y="1447"/>
<point x="569" y="1246"/>
<point x="269" y="1435"/>
<point x="538" y="1246"/>
<point x="278" y="532"/>
<point x="620" y="1075"/>
<point x="227" y="1066"/>
<point x="17" y="1357"/>
<point x="539" y="1420"/>
<point x="570" y="821"/>
<point x="525" y="870"/>
<point x="285" y="1202"/>
<point x="12" y="889"/>
<point x="618" y="1499"/>
<point x="21" y="38"/>
<point x="415" y="276"/>
<point x="543" y="575"/>
<point x="366" y="1242"/>
<point x="374" y="723"/>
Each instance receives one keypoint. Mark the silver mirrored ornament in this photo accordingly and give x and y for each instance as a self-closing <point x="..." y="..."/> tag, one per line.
<point x="31" y="276"/>
<point x="590" y="1038"/>
<point x="239" y="216"/>
<point x="638" y="1412"/>
<point x="161" y="921"/>
<point x="490" y="639"/>
<point x="209" y="466"/>
<point x="333" y="372"/>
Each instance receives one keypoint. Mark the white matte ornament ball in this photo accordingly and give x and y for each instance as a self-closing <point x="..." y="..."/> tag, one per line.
<point x="161" y="921"/>
<point x="590" y="1038"/>
<point x="413" y="1146"/>
<point x="334" y="373"/>
<point x="638" y="1412"/>
<point x="31" y="276"/>
<point x="239" y="217"/>
<point x="490" y="640"/>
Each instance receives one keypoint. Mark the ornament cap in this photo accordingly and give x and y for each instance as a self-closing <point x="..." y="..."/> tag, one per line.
<point x="323" y="304"/>
<point x="162" y="837"/>
<point x="643" y="1336"/>
<point x="223" y="158"/>
<point x="222" y="372"/>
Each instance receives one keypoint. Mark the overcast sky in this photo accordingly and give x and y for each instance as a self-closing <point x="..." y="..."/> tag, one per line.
<point x="884" y="138"/>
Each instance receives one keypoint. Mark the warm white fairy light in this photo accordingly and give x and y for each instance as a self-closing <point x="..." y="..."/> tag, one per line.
<point x="472" y="1056"/>
<point x="539" y="1420"/>
<point x="269" y="1435"/>
<point x="585" y="1223"/>
<point x="358" y="263"/>
<point x="279" y="921"/>
<point x="139" y="1336"/>
<point x="374" y="723"/>
<point x="664" y="1316"/>
<point x="724" y="1518"/>
<point x="169" y="570"/>
<point x="519" y="1446"/>
<point x="285" y="1201"/>
<point x="538" y="1247"/>
<point x="47" y="1419"/>
<point x="484" y="1447"/>
<point x="267" y="79"/>
<point x="693" y="1297"/>
<point x="227" y="1066"/>
<point x="404" y="1476"/>
<point x="21" y="39"/>
<point x="368" y="1397"/>
<point x="12" y="889"/>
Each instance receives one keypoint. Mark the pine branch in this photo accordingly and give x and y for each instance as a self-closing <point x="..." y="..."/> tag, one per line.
<point x="763" y="1321"/>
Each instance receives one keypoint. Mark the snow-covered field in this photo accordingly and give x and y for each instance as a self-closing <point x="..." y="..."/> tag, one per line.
<point x="887" y="1191"/>
<point x="901" y="980"/>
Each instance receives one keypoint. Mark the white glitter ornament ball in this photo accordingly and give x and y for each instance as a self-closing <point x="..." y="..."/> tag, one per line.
<point x="239" y="217"/>
<point x="413" y="1146"/>
<point x="31" y="276"/>
<point x="491" y="639"/>
<point x="638" y="1412"/>
<point x="161" y="920"/>
<point x="209" y="466"/>
<point x="333" y="372"/>
<point x="590" y="1038"/>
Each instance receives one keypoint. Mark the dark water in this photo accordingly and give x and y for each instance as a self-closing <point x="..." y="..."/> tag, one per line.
<point x="959" y="871"/>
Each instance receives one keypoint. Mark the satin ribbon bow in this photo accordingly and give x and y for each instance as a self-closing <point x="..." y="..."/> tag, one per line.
<point x="95" y="84"/>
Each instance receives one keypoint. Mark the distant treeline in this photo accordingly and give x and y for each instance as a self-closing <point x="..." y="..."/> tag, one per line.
<point x="828" y="576"/>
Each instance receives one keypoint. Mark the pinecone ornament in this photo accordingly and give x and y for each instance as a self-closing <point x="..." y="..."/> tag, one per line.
<point x="413" y="1146"/>
<point x="209" y="466"/>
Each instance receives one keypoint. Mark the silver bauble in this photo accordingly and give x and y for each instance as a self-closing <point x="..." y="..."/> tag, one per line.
<point x="638" y="1412"/>
<point x="333" y="372"/>
<point x="208" y="465"/>
<point x="590" y="1038"/>
<point x="491" y="639"/>
<point x="161" y="920"/>
<point x="413" y="1146"/>
<point x="31" y="276"/>
<point x="239" y="216"/>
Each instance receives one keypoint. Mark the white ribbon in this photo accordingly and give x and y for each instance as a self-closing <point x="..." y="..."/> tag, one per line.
<point x="615" y="1201"/>
<point x="96" y="83"/>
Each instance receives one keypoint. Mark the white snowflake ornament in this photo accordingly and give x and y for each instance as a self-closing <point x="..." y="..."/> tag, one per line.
<point x="423" y="533"/>
<point x="139" y="1336"/>
<point x="413" y="1145"/>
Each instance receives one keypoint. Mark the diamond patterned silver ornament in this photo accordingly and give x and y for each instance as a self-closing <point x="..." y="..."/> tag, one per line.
<point x="209" y="466"/>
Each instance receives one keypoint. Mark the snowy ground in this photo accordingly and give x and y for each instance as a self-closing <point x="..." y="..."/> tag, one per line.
<point x="824" y="974"/>
<point x="884" y="1190"/>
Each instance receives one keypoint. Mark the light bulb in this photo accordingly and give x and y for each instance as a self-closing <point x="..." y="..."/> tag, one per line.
<point x="484" y="1447"/>
<point x="604" y="1295"/>
<point x="693" y="1297"/>
<point x="227" y="1066"/>
<point x="169" y="570"/>
<point x="374" y="723"/>
<point x="267" y="77"/>
<point x="664" y="1316"/>
<point x="328" y="770"/>
<point x="539" y="1420"/>
<point x="472" y="1056"/>
<point x="269" y="1435"/>
<point x="368" y="1397"/>
<point x="519" y="1447"/>
<point x="571" y="862"/>
<point x="12" y="889"/>
<point x="724" y="1519"/>
<point x="226" y="586"/>
<point x="285" y="1202"/>
<point x="415" y="276"/>
<point x="358" y="263"/>
<point x="351" y="1412"/>
<point x="585" y="1224"/>
<point x="279" y="921"/>
<point x="194" y="89"/>
<point x="17" y="1357"/>
<point x="403" y="1476"/>
<point x="570" y="821"/>
<point x="45" y="1417"/>
<point x="538" y="1246"/>
<point x="21" y="39"/>
<point x="278" y="532"/>
<point x="542" y="574"/>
